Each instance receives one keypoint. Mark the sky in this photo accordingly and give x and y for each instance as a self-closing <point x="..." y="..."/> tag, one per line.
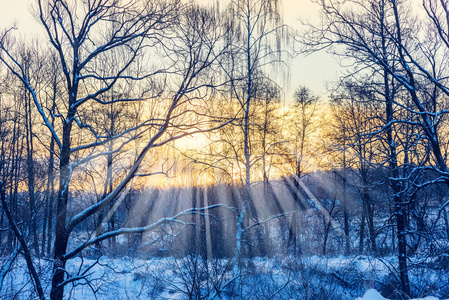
<point x="313" y="71"/>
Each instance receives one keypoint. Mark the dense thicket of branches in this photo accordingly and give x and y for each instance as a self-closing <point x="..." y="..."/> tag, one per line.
<point x="158" y="128"/>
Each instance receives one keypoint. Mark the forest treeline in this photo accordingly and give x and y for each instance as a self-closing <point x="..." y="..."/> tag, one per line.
<point x="114" y="98"/>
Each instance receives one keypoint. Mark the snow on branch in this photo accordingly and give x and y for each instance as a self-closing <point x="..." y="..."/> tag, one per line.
<point x="134" y="230"/>
<point x="269" y="219"/>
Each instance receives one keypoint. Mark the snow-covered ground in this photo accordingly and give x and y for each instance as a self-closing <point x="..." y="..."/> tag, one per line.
<point x="372" y="294"/>
<point x="313" y="277"/>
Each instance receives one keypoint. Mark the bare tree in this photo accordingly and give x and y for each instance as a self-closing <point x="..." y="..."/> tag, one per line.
<point x="258" y="31"/>
<point x="186" y="39"/>
<point x="382" y="38"/>
<point x="355" y="114"/>
<point x="302" y="125"/>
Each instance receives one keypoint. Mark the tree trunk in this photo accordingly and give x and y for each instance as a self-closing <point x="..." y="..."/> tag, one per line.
<point x="30" y="172"/>
<point x="61" y="234"/>
<point x="50" y="196"/>
<point x="238" y="248"/>
<point x="368" y="207"/>
<point x="293" y="234"/>
<point x="345" y="199"/>
<point x="399" y="208"/>
<point x="362" y="232"/>
<point x="51" y="175"/>
<point x="402" y="245"/>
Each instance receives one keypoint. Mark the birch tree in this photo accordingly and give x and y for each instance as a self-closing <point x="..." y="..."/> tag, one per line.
<point x="258" y="32"/>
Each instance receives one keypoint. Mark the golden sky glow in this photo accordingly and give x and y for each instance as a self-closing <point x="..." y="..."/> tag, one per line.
<point x="311" y="71"/>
